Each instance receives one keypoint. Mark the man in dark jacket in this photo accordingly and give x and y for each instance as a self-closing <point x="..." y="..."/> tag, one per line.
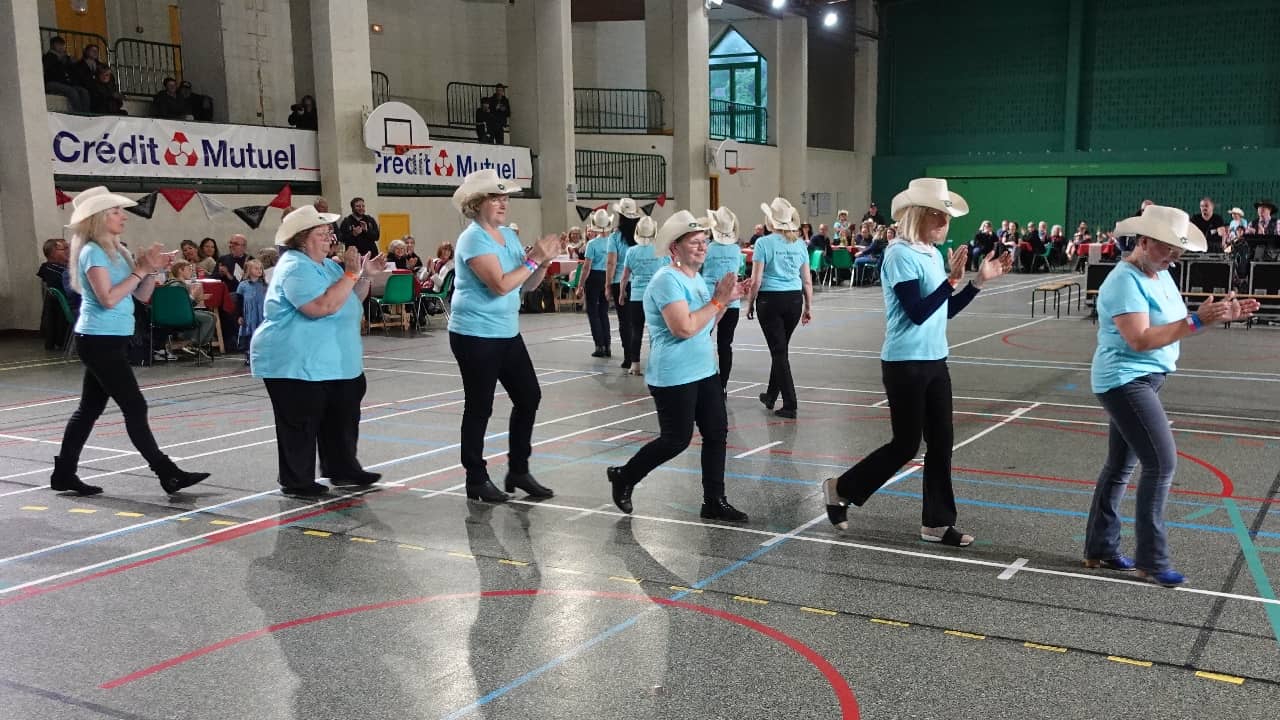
<point x="58" y="79"/>
<point x="167" y="105"/>
<point x="360" y="230"/>
<point x="500" y="106"/>
<point x="873" y="214"/>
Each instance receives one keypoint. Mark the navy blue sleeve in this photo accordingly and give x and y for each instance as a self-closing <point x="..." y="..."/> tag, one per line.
<point x="961" y="300"/>
<point x="919" y="308"/>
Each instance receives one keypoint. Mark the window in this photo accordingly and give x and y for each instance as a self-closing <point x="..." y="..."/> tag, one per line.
<point x="739" y="87"/>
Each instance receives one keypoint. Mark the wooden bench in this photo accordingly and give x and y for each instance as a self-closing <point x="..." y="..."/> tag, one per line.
<point x="1072" y="288"/>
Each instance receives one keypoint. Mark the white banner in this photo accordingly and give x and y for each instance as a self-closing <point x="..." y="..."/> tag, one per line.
<point x="146" y="147"/>
<point x="447" y="163"/>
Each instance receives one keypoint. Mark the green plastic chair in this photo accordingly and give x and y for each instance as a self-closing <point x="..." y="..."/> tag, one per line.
<point x="171" y="310"/>
<point x="841" y="259"/>
<point x="572" y="285"/>
<point x="742" y="266"/>
<point x="399" y="292"/>
<point x="69" y="316"/>
<point x="446" y="289"/>
<point x="817" y="263"/>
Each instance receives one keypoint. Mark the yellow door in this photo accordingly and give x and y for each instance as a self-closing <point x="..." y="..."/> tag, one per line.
<point x="715" y="190"/>
<point x="394" y="226"/>
<point x="94" y="21"/>
<point x="175" y="35"/>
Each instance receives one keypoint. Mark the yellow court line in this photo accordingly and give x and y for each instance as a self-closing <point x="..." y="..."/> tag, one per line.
<point x="129" y="514"/>
<point x="363" y="540"/>
<point x="464" y="556"/>
<point x="1220" y="677"/>
<point x="963" y="634"/>
<point x="1129" y="661"/>
<point x="892" y="623"/>
<point x="753" y="601"/>
<point x="818" y="611"/>
<point x="517" y="563"/>
<point x="681" y="588"/>
<point x="223" y="522"/>
<point x="35" y="508"/>
<point x="1038" y="646"/>
<point x="83" y="511"/>
<point x="619" y="578"/>
<point x="407" y="546"/>
<point x="316" y="533"/>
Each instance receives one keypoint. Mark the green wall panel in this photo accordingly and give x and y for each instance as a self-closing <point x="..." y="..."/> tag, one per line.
<point x="1017" y="199"/>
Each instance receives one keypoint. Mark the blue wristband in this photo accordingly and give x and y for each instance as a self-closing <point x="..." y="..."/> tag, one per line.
<point x="1196" y="323"/>
<point x="533" y="266"/>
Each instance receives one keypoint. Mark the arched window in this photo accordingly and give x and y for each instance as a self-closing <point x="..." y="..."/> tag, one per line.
<point x="739" y="89"/>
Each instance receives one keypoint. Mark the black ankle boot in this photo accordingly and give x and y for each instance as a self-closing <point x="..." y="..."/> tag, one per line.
<point x="174" y="479"/>
<point x="527" y="483"/>
<point x="485" y="491"/>
<point x="599" y="352"/>
<point x="64" y="479"/>
<point x="766" y="400"/>
<point x="360" y="478"/>
<point x="622" y="488"/>
<point x="720" y="509"/>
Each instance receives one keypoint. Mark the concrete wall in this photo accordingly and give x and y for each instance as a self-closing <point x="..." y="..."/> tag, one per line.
<point x="609" y="54"/>
<point x="257" y="46"/>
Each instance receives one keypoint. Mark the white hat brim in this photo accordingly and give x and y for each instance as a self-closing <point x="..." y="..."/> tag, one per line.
<point x="617" y="208"/>
<point x="1193" y="241"/>
<point x="772" y="221"/>
<point x="470" y="189"/>
<point x="294" y="224"/>
<point x="97" y="204"/>
<point x="955" y="206"/>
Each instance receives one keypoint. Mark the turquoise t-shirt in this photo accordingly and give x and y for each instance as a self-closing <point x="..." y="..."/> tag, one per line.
<point x="782" y="262"/>
<point x="673" y="361"/>
<point x="96" y="318"/>
<point x="290" y="345"/>
<point x="721" y="260"/>
<point x="903" y="339"/>
<point x="1128" y="290"/>
<point x="597" y="251"/>
<point x="619" y="246"/>
<point x="643" y="263"/>
<point x="475" y="309"/>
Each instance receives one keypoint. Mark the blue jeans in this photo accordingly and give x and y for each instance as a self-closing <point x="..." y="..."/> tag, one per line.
<point x="1139" y="434"/>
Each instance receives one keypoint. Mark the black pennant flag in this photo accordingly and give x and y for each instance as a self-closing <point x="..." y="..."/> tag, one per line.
<point x="146" y="206"/>
<point x="252" y="215"/>
<point x="583" y="212"/>
<point x="647" y="209"/>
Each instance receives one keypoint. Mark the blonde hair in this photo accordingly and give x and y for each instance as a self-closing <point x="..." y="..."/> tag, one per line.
<point x="268" y="257"/>
<point x="177" y="267"/>
<point x="92" y="229"/>
<point x="911" y="223"/>
<point x="394" y="245"/>
<point x="251" y="262"/>
<point x="471" y="206"/>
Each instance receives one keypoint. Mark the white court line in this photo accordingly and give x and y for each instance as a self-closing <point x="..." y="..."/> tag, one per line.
<point x="71" y="398"/>
<point x="455" y="363"/>
<point x="628" y="433"/>
<point x="882" y="403"/>
<point x="413" y="372"/>
<point x="1013" y="569"/>
<point x="998" y="332"/>
<point x="753" y="451"/>
<point x="42" y="441"/>
<point x="588" y="513"/>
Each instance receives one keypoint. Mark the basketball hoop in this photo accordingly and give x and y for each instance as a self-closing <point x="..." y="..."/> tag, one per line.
<point x="734" y="169"/>
<point x="402" y="149"/>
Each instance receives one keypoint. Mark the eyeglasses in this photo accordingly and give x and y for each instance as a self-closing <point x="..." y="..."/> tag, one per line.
<point x="696" y="243"/>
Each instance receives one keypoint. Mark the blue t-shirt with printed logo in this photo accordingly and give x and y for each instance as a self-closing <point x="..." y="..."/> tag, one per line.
<point x="672" y="360"/>
<point x="903" y="339"/>
<point x="289" y="344"/>
<point x="643" y="261"/>
<point x="782" y="262"/>
<point x="722" y="259"/>
<point x="619" y="246"/>
<point x="1129" y="290"/>
<point x="475" y="310"/>
<point x="597" y="251"/>
<point x="96" y="318"/>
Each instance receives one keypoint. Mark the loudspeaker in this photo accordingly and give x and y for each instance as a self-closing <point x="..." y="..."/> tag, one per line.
<point x="1208" y="276"/>
<point x="1264" y="278"/>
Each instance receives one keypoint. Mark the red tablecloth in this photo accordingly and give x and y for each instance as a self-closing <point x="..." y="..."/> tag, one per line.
<point x="216" y="295"/>
<point x="562" y="267"/>
<point x="1108" y="249"/>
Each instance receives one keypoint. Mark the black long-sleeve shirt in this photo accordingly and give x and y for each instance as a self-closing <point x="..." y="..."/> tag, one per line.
<point x="919" y="309"/>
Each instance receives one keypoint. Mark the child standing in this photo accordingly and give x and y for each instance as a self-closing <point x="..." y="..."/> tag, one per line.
<point x="253" y="293"/>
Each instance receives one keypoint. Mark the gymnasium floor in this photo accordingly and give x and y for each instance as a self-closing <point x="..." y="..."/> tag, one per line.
<point x="231" y="601"/>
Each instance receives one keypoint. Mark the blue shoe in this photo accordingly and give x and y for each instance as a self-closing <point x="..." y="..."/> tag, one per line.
<point x="1119" y="563"/>
<point x="1168" y="578"/>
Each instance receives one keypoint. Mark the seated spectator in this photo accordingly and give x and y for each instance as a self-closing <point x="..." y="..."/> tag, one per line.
<point x="1238" y="224"/>
<point x="167" y="105"/>
<point x="231" y="265"/>
<point x="84" y="72"/>
<point x="53" y="323"/>
<point x="104" y="94"/>
<point x="200" y="107"/>
<point x="58" y="78"/>
<point x="55" y="261"/>
<point x="412" y="260"/>
<point x="984" y="241"/>
<point x="190" y="253"/>
<point x="1031" y="245"/>
<point x="1058" y="241"/>
<point x="821" y="240"/>
<point x="208" y="262"/>
<point x="756" y="233"/>
<point x="440" y="266"/>
<point x="182" y="274"/>
<point x="302" y="114"/>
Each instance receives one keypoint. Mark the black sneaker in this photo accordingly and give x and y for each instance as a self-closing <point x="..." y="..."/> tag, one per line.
<point x="720" y="509"/>
<point x="599" y="353"/>
<point x="360" y="478"/>
<point x="766" y="400"/>
<point x="786" y="413"/>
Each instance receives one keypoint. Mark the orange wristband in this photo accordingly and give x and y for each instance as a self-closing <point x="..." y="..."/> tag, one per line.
<point x="354" y="277"/>
<point x="719" y="307"/>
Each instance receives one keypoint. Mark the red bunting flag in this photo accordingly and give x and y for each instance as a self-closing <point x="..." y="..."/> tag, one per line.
<point x="60" y="197"/>
<point x="283" y="199"/>
<point x="662" y="200"/>
<point x="177" y="197"/>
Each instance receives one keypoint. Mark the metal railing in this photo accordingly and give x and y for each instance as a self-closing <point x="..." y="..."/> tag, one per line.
<point x="462" y="100"/>
<point x="76" y="42"/>
<point x="603" y="174"/>
<point x="142" y="65"/>
<point x="381" y="87"/>
<point x="603" y="110"/>
<point x="744" y="123"/>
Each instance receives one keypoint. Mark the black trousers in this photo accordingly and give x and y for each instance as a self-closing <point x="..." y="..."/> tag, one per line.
<point x="919" y="394"/>
<point x="679" y="407"/>
<point x="485" y="362"/>
<point x="634" y="334"/>
<point x="779" y="314"/>
<point x="316" y="415"/>
<point x="597" y="308"/>
<point x="107" y="375"/>
<point x="624" y="326"/>
<point x="724" y="344"/>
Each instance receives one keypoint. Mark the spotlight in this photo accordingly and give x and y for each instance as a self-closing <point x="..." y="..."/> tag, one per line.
<point x="713" y="4"/>
<point x="778" y="4"/>
<point x="830" y="19"/>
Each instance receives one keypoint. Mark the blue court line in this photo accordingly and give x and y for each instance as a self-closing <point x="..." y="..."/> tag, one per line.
<point x="603" y="636"/>
<point x="1201" y="512"/>
<point x="1254" y="563"/>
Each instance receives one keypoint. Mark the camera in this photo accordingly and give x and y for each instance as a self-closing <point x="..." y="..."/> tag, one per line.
<point x="296" y="107"/>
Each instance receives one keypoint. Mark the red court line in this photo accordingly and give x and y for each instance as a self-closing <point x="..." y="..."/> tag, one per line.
<point x="844" y="693"/>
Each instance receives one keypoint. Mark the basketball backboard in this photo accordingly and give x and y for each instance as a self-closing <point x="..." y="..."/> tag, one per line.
<point x="394" y="126"/>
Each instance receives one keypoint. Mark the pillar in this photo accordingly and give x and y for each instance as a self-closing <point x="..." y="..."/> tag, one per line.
<point x="26" y="175"/>
<point x="340" y="53"/>
<point x="690" y="105"/>
<point x="792" y="110"/>
<point x="866" y="89"/>
<point x="659" y="74"/>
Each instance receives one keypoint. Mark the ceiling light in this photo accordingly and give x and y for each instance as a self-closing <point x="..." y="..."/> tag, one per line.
<point x="830" y="19"/>
<point x="778" y="4"/>
<point x="376" y="28"/>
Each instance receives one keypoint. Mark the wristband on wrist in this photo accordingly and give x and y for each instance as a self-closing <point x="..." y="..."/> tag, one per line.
<point x="141" y="279"/>
<point x="719" y="307"/>
<point x="352" y="276"/>
<point x="533" y="266"/>
<point x="1194" y="321"/>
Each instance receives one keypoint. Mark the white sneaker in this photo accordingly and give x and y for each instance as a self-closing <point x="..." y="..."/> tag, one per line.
<point x="164" y="355"/>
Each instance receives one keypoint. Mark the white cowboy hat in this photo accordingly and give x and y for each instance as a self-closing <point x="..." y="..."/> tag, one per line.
<point x="304" y="218"/>
<point x="482" y="182"/>
<point x="646" y="231"/>
<point x="95" y="200"/>
<point x="626" y="207"/>
<point x="1236" y="211"/>
<point x="780" y="215"/>
<point x="677" y="226"/>
<point x="930" y="193"/>
<point x="724" y="225"/>
<point x="600" y="221"/>
<point x="1171" y="226"/>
